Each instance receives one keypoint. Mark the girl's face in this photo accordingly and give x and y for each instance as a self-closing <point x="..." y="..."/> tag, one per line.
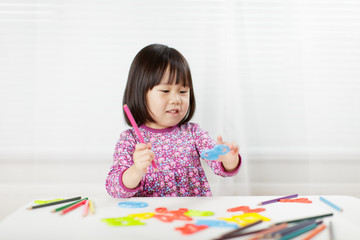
<point x="168" y="103"/>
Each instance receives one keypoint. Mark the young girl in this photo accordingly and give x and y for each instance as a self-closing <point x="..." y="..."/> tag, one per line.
<point x="160" y="95"/>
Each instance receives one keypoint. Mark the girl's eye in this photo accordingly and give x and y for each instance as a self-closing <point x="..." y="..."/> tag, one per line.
<point x="182" y="92"/>
<point x="165" y="91"/>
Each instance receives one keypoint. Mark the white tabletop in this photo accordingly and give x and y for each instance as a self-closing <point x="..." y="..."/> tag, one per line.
<point x="43" y="224"/>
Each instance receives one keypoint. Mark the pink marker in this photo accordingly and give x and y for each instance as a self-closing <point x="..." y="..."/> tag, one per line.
<point x="137" y="131"/>
<point x="86" y="208"/>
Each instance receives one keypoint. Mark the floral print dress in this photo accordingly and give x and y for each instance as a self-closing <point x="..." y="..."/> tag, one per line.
<point x="177" y="154"/>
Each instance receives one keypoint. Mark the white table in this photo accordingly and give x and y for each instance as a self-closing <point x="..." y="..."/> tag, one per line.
<point x="43" y="224"/>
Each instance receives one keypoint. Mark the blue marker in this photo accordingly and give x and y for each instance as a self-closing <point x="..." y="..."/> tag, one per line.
<point x="331" y="204"/>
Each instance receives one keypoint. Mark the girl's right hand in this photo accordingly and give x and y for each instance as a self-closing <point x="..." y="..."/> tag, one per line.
<point x="143" y="156"/>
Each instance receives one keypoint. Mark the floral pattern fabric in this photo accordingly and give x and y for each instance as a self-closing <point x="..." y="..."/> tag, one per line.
<point x="177" y="155"/>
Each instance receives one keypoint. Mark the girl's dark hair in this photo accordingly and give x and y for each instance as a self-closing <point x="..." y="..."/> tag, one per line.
<point x="146" y="71"/>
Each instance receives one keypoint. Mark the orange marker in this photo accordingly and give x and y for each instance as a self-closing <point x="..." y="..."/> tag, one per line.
<point x="296" y="200"/>
<point x="314" y="232"/>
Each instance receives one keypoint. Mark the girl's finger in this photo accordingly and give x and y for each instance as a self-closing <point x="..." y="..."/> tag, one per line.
<point x="219" y="140"/>
<point x="141" y="146"/>
<point x="234" y="146"/>
<point x="236" y="149"/>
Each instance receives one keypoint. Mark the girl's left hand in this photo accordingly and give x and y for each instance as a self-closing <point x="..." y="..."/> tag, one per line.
<point x="229" y="160"/>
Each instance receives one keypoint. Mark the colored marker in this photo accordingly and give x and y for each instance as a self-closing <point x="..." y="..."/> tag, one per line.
<point x="314" y="232"/>
<point x="92" y="207"/>
<point x="306" y="218"/>
<point x="66" y="210"/>
<point x="267" y="231"/>
<point x="277" y="199"/>
<point x="86" y="208"/>
<point x="54" y="203"/>
<point x="331" y="204"/>
<point x="331" y="233"/>
<point x="47" y="201"/>
<point x="236" y="231"/>
<point x="66" y="206"/>
<point x="299" y="232"/>
<point x="137" y="131"/>
<point x="288" y="230"/>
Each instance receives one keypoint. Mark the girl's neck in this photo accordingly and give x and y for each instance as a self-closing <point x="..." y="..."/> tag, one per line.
<point x="154" y="130"/>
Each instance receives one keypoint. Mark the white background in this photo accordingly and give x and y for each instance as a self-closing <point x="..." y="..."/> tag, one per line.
<point x="280" y="78"/>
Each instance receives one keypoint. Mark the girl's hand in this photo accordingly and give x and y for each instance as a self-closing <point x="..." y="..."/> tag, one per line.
<point x="143" y="156"/>
<point x="229" y="160"/>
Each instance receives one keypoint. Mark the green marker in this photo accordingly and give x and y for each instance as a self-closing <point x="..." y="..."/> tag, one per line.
<point x="66" y="206"/>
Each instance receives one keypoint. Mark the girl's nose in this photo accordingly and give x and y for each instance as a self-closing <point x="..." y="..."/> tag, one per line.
<point x="175" y="99"/>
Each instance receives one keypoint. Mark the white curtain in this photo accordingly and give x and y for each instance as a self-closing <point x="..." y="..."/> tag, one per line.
<point x="278" y="77"/>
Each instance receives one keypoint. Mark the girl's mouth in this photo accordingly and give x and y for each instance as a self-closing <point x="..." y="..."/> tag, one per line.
<point x="173" y="111"/>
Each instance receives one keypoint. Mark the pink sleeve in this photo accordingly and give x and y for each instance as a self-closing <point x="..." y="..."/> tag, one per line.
<point x="122" y="160"/>
<point x="220" y="170"/>
<point x="204" y="142"/>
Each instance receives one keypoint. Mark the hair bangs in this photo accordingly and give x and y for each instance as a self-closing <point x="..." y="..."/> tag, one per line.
<point x="178" y="75"/>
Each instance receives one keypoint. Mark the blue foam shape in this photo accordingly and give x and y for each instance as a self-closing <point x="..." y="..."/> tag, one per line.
<point x="132" y="204"/>
<point x="216" y="223"/>
<point x="214" y="153"/>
